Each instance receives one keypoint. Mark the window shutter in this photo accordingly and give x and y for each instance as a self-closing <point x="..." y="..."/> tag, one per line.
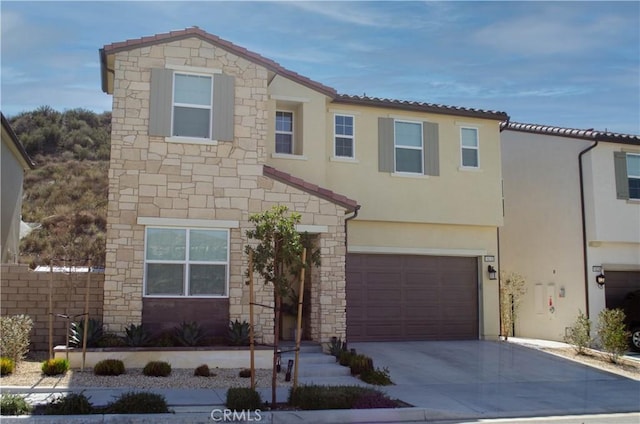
<point x="223" y="107"/>
<point x="431" y="148"/>
<point x="622" y="179"/>
<point x="385" y="145"/>
<point x="160" y="99"/>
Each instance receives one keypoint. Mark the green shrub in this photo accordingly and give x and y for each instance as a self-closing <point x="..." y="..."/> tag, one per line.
<point x="94" y="333"/>
<point x="110" y="340"/>
<point x="157" y="369"/>
<point x="138" y="403"/>
<point x="13" y="405"/>
<point x="109" y="367"/>
<point x="579" y="334"/>
<point x="55" y="366"/>
<point x="360" y="363"/>
<point x="14" y="342"/>
<point x="189" y="334"/>
<point x="164" y="339"/>
<point x="327" y="397"/>
<point x="245" y="373"/>
<point x="613" y="333"/>
<point x="335" y="347"/>
<point x="202" y="371"/>
<point x="6" y="366"/>
<point x="345" y="358"/>
<point x="374" y="400"/>
<point x="238" y="333"/>
<point x="136" y="336"/>
<point x="243" y="398"/>
<point x="378" y="377"/>
<point x="71" y="404"/>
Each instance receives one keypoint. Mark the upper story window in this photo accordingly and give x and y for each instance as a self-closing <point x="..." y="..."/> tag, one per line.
<point x="284" y="132"/>
<point x="469" y="147"/>
<point x="186" y="262"/>
<point x="408" y="147"/>
<point x="627" y="175"/>
<point x="188" y="107"/>
<point x="633" y="175"/>
<point x="192" y="98"/>
<point x="343" y="136"/>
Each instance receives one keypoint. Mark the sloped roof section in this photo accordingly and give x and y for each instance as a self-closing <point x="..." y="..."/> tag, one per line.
<point x="17" y="146"/>
<point x="421" y="107"/>
<point x="285" y="178"/>
<point x="588" y="134"/>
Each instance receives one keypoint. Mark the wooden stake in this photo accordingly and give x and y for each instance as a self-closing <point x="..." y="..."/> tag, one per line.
<point x="299" y="321"/>
<point x="251" y="340"/>
<point x="86" y="317"/>
<point x="51" y="309"/>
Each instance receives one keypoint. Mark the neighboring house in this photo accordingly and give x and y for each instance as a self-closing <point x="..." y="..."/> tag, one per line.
<point x="206" y="133"/>
<point x="572" y="211"/>
<point x="15" y="161"/>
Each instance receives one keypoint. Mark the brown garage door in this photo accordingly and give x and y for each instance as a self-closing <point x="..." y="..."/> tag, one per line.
<point x="618" y="284"/>
<point x="411" y="297"/>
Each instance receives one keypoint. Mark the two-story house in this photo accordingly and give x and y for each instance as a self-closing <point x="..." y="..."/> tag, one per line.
<point x="572" y="214"/>
<point x="403" y="199"/>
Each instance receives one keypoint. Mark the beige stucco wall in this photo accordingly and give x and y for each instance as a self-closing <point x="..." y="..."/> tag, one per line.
<point x="151" y="177"/>
<point x="542" y="234"/>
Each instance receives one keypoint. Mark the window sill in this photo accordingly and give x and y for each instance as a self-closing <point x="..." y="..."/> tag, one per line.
<point x="343" y="159"/>
<point x="469" y="169"/>
<point x="287" y="156"/>
<point x="409" y="175"/>
<point x="190" y="140"/>
<point x="633" y="201"/>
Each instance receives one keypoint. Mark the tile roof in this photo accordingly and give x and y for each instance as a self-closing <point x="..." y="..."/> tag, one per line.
<point x="349" y="204"/>
<point x="588" y="134"/>
<point x="279" y="69"/>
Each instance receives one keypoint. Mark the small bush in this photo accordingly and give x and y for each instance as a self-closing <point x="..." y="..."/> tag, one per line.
<point x="55" y="366"/>
<point x="202" y="371"/>
<point x="71" y="404"/>
<point x="14" y="343"/>
<point x="138" y="403"/>
<point x="345" y="358"/>
<point x="189" y="334"/>
<point x="238" y="333"/>
<point x="111" y="340"/>
<point x="243" y="398"/>
<point x="136" y="336"/>
<point x="335" y="347"/>
<point x="13" y="405"/>
<point x="164" y="339"/>
<point x="360" y="363"/>
<point x="94" y="333"/>
<point x="109" y="367"/>
<point x="157" y="369"/>
<point x="378" y="377"/>
<point x="6" y="366"/>
<point x="374" y="400"/>
<point x="245" y="373"/>
<point x="327" y="397"/>
<point x="613" y="333"/>
<point x="579" y="334"/>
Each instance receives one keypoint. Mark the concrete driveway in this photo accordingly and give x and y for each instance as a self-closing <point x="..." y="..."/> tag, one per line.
<point x="475" y="379"/>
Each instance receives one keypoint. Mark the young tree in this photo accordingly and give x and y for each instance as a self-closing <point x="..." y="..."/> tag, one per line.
<point x="276" y="255"/>
<point x="512" y="289"/>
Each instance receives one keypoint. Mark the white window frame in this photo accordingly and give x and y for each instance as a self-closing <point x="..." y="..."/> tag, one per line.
<point x="476" y="148"/>
<point x="352" y="137"/>
<point x="631" y="176"/>
<point x="186" y="262"/>
<point x="175" y="104"/>
<point x="291" y="133"/>
<point x="396" y="147"/>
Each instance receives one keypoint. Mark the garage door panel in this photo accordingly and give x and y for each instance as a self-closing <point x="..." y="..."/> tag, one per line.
<point x="411" y="297"/>
<point x="618" y="284"/>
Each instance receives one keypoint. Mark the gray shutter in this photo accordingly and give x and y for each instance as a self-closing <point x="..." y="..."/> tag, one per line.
<point x="431" y="148"/>
<point x="224" y="100"/>
<point x="385" y="145"/>
<point x="622" y="178"/>
<point x="160" y="101"/>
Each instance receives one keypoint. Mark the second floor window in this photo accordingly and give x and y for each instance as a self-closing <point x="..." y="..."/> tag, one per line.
<point x="633" y="175"/>
<point x="408" y="147"/>
<point x="284" y="132"/>
<point x="192" y="96"/>
<point x="343" y="141"/>
<point x="469" y="146"/>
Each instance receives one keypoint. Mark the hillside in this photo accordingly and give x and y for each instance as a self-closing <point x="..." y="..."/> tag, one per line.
<point x="67" y="193"/>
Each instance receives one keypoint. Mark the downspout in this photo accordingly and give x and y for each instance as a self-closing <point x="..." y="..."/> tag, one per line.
<point x="346" y="255"/>
<point x="584" y="228"/>
<point x="502" y="128"/>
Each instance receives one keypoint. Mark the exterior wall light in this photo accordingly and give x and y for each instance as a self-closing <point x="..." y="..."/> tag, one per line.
<point x="492" y="272"/>
<point x="600" y="280"/>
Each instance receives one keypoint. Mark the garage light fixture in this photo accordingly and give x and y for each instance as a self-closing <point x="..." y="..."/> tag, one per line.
<point x="600" y="280"/>
<point x="492" y="272"/>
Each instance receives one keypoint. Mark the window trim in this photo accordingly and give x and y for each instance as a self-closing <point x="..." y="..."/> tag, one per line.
<point x="629" y="176"/>
<point x="174" y="104"/>
<point x="421" y="148"/>
<point x="186" y="262"/>
<point x="292" y="133"/>
<point x="476" y="148"/>
<point x="352" y="137"/>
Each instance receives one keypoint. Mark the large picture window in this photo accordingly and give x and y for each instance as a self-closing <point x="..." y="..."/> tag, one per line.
<point x="408" y="147"/>
<point x="186" y="262"/>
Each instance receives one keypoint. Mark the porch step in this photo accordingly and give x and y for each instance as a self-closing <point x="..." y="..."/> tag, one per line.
<point x="305" y="347"/>
<point x="322" y="370"/>
<point x="309" y="358"/>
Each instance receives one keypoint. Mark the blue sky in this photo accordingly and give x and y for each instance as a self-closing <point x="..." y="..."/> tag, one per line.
<point x="569" y="64"/>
